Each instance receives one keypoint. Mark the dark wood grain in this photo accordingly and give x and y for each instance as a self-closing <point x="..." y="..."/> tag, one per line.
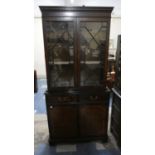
<point x="93" y="120"/>
<point x="77" y="113"/>
<point x="65" y="125"/>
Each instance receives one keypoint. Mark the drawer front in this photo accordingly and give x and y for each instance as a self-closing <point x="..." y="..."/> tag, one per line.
<point x="61" y="98"/>
<point x="91" y="98"/>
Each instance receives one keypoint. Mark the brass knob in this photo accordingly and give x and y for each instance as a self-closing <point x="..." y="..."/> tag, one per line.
<point x="93" y="97"/>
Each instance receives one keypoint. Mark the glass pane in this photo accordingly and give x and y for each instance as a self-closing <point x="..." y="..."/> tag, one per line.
<point x="92" y="48"/>
<point x="61" y="53"/>
<point x="62" y="75"/>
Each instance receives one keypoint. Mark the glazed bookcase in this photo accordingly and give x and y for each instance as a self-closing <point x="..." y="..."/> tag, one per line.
<point x="76" y="41"/>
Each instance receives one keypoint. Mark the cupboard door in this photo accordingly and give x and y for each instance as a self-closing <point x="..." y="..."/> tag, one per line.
<point x="60" y="47"/>
<point x="63" y="122"/>
<point x="93" y="120"/>
<point x="93" y="40"/>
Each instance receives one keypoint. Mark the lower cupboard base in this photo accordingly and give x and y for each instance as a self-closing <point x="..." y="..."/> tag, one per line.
<point x="51" y="141"/>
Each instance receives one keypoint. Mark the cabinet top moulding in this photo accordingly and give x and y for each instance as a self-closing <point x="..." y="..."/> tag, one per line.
<point x="76" y="11"/>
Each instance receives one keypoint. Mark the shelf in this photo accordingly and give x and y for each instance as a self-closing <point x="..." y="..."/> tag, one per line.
<point x="90" y="62"/>
<point x="71" y="62"/>
<point x="61" y="63"/>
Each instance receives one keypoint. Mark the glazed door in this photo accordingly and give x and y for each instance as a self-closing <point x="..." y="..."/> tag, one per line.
<point x="93" y="34"/>
<point x="60" y="52"/>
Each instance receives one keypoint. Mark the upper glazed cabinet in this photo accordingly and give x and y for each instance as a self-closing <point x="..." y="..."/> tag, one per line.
<point x="76" y="46"/>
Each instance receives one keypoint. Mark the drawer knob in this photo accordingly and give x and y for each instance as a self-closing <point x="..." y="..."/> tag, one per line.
<point x="93" y="97"/>
<point x="51" y="107"/>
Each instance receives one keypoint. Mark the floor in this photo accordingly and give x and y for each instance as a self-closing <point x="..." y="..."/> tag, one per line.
<point x="41" y="146"/>
<point x="39" y="97"/>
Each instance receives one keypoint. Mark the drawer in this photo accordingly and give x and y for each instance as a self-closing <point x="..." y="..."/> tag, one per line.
<point x="61" y="98"/>
<point x="92" y="98"/>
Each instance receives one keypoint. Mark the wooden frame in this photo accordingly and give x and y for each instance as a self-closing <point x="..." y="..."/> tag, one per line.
<point x="88" y="102"/>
